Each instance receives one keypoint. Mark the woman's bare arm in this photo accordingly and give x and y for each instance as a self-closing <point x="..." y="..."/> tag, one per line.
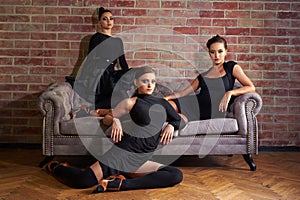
<point x="121" y="109"/>
<point x="247" y="87"/>
<point x="112" y="118"/>
<point x="189" y="89"/>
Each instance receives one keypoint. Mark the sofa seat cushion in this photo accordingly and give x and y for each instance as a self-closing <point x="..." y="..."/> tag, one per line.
<point x="93" y="126"/>
<point x="210" y="126"/>
<point x="83" y="126"/>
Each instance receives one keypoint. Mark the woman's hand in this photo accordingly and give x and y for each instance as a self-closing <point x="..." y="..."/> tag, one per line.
<point x="116" y="130"/>
<point x="167" y="97"/>
<point x="100" y="112"/>
<point x="167" y="134"/>
<point x="224" y="101"/>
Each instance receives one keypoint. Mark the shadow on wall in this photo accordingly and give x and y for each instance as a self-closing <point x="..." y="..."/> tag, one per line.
<point x="21" y="120"/>
<point x="84" y="46"/>
<point x="83" y="51"/>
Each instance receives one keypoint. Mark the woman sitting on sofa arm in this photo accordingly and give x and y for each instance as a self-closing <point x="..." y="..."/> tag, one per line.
<point x="217" y="86"/>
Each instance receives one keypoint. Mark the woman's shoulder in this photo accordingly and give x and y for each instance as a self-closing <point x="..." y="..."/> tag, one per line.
<point x="129" y="102"/>
<point x="116" y="38"/>
<point x="98" y="37"/>
<point x="229" y="64"/>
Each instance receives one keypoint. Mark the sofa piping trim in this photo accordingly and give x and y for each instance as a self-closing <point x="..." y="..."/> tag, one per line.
<point x="248" y="126"/>
<point x="189" y="136"/>
<point x="76" y="136"/>
<point x="51" y="131"/>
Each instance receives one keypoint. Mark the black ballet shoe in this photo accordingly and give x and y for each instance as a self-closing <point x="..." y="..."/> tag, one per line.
<point x="112" y="183"/>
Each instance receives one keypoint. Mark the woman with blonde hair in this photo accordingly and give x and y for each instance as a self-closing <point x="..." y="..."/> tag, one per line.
<point x="127" y="165"/>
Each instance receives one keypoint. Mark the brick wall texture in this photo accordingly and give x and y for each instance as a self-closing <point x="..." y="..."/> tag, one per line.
<point x="42" y="41"/>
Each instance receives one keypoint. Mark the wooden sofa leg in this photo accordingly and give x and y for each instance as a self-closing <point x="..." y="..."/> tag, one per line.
<point x="45" y="161"/>
<point x="249" y="161"/>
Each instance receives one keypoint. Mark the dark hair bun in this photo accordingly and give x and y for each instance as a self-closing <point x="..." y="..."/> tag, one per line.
<point x="102" y="10"/>
<point x="216" y="38"/>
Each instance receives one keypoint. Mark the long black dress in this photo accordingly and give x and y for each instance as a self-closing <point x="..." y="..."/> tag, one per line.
<point x="205" y="104"/>
<point x="98" y="75"/>
<point x="110" y="50"/>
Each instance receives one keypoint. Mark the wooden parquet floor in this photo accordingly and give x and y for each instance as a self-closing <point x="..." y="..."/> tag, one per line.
<point x="211" y="178"/>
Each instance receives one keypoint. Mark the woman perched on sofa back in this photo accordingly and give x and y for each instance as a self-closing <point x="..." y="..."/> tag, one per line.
<point x="102" y="69"/>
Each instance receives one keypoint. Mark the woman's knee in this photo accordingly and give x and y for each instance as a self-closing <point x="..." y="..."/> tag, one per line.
<point x="175" y="175"/>
<point x="75" y="177"/>
<point x="178" y="176"/>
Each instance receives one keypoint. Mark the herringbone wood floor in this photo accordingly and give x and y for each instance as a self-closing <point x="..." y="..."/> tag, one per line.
<point x="213" y="177"/>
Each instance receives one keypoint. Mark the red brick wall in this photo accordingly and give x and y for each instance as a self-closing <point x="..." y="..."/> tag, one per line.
<point x="42" y="41"/>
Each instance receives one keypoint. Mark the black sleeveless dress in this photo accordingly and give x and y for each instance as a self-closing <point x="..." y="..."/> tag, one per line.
<point x="205" y="104"/>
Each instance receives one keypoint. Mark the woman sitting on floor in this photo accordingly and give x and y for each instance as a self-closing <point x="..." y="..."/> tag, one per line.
<point x="127" y="165"/>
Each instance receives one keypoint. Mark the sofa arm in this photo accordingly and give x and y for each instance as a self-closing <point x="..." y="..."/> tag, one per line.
<point x="55" y="103"/>
<point x="245" y="108"/>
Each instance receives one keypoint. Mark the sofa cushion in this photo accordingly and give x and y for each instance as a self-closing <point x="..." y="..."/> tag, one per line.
<point x="210" y="126"/>
<point x="93" y="126"/>
<point x="83" y="126"/>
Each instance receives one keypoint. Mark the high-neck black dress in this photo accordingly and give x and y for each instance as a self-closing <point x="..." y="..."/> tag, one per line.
<point x="107" y="51"/>
<point x="141" y="133"/>
<point x="98" y="76"/>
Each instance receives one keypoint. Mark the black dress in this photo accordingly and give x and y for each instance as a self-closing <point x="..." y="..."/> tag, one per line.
<point x="109" y="50"/>
<point x="112" y="49"/>
<point x="205" y="104"/>
<point x="97" y="74"/>
<point x="141" y="137"/>
<point x="141" y="133"/>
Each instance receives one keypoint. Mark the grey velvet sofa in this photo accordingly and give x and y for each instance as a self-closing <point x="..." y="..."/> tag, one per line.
<point x="235" y="134"/>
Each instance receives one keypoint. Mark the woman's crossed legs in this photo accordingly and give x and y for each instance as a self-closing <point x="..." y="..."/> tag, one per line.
<point x="149" y="175"/>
